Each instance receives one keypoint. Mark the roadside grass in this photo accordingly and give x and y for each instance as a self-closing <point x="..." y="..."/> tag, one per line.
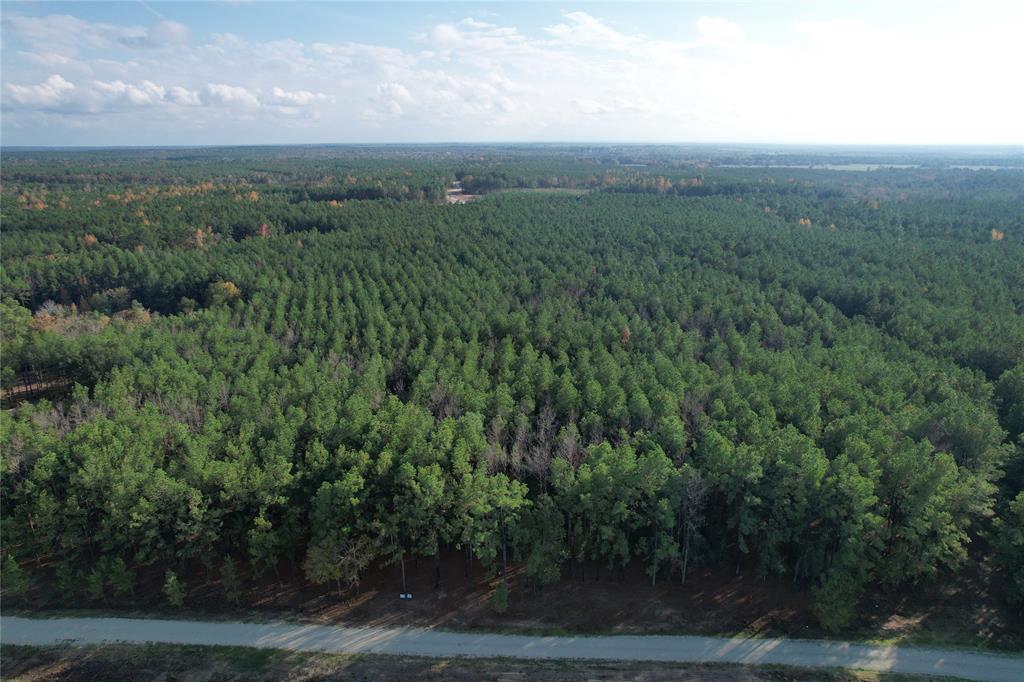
<point x="167" y="661"/>
<point x="940" y="640"/>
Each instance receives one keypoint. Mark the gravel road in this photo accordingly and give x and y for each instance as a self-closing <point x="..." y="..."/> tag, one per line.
<point x="416" y="642"/>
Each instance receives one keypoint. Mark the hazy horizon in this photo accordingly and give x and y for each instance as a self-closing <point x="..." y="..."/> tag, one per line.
<point x="237" y="74"/>
<point x="787" y="146"/>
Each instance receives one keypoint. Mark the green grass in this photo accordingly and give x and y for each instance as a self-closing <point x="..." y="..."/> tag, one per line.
<point x="944" y="640"/>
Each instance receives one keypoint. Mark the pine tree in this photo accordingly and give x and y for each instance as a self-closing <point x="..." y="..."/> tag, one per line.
<point x="173" y="590"/>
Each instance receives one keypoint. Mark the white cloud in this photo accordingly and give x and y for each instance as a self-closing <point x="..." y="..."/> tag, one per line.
<point x="719" y="31"/>
<point x="396" y="91"/>
<point x="441" y="97"/>
<point x="485" y="46"/>
<point x="616" y="106"/>
<point x="590" y="107"/>
<point x="584" y="30"/>
<point x="470" y="22"/>
<point x="445" y="36"/>
<point x="231" y="95"/>
<point x="577" y="76"/>
<point x="47" y="94"/>
<point x="640" y="104"/>
<point x="184" y="97"/>
<point x="45" y="58"/>
<point x="361" y="56"/>
<point x="168" y="33"/>
<point x="58" y="95"/>
<point x="832" y="30"/>
<point x="296" y="98"/>
<point x="145" y="93"/>
<point x="69" y="35"/>
<point x="390" y="101"/>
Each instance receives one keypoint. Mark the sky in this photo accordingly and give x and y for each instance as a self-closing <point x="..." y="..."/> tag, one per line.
<point x="241" y="72"/>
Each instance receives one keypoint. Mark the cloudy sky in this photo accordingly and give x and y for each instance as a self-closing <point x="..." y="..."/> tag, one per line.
<point x="167" y="73"/>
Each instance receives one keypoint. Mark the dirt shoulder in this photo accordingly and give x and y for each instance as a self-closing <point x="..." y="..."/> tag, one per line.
<point x="961" y="612"/>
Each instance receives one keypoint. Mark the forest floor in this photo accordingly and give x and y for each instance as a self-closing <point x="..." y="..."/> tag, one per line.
<point x="961" y="612"/>
<point x="195" y="663"/>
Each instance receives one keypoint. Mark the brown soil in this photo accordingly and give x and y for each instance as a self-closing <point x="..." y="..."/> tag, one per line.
<point x="620" y="603"/>
<point x="964" y="610"/>
<point x="712" y="601"/>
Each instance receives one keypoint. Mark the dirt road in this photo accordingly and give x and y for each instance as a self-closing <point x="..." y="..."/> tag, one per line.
<point x="418" y="642"/>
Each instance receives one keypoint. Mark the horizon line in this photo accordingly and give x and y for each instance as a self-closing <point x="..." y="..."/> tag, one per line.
<point x="1019" y="146"/>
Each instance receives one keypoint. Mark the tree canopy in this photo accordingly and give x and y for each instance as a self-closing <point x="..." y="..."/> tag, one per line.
<point x="312" y="358"/>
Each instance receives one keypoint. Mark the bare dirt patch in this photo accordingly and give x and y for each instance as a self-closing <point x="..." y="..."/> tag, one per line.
<point x="460" y="198"/>
<point x="957" y="609"/>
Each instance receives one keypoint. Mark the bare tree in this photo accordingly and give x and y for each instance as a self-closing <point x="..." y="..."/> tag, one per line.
<point x="497" y="458"/>
<point x="518" y="451"/>
<point x="570" y="447"/>
<point x="538" y="457"/>
<point x="692" y="511"/>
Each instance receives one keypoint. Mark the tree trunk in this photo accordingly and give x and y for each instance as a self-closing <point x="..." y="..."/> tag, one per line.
<point x="686" y="554"/>
<point x="739" y="550"/>
<point x="437" y="568"/>
<point x="402" y="561"/>
<point x="504" y="549"/>
<point x="654" y="563"/>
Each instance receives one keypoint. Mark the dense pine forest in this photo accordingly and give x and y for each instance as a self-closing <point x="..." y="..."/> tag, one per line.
<point x="222" y="364"/>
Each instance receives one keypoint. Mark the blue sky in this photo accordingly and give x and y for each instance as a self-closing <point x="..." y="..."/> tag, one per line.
<point x="260" y="72"/>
